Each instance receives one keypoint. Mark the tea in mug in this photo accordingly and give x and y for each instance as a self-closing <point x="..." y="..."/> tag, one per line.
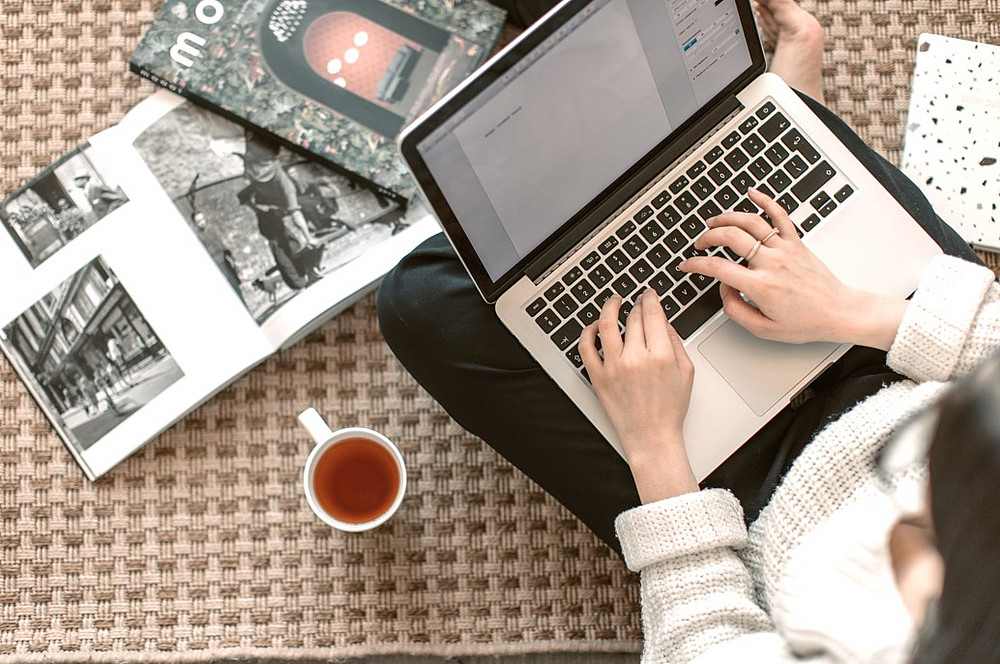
<point x="356" y="480"/>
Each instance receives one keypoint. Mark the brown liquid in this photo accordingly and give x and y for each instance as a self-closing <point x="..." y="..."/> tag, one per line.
<point x="356" y="480"/>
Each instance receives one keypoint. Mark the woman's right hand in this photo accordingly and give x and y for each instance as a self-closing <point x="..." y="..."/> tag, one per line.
<point x="795" y="297"/>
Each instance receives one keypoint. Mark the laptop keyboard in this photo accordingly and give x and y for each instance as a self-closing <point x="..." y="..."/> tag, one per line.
<point x="765" y="152"/>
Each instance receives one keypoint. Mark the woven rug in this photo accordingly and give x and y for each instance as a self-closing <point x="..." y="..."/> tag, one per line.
<point x="201" y="545"/>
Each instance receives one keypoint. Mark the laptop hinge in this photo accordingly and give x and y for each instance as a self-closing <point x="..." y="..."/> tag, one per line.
<point x="634" y="187"/>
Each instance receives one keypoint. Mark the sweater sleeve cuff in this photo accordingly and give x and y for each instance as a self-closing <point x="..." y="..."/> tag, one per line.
<point x="937" y="322"/>
<point x="679" y="526"/>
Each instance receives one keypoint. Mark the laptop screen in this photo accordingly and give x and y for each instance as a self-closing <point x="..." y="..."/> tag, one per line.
<point x="555" y="130"/>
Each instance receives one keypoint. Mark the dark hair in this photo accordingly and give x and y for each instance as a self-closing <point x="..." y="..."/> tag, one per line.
<point x="964" y="461"/>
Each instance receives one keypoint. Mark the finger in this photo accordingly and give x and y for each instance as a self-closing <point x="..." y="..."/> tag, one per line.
<point x="654" y="320"/>
<point x="635" y="336"/>
<point x="607" y="327"/>
<point x="733" y="237"/>
<point x="723" y="269"/>
<point x="780" y="218"/>
<point x="680" y="353"/>
<point x="588" y="350"/>
<point x="747" y="316"/>
<point x="753" y="224"/>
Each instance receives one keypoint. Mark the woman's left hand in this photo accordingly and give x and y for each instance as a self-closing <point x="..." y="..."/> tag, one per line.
<point x="644" y="382"/>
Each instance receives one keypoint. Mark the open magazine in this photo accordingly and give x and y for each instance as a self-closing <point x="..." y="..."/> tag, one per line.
<point x="168" y="255"/>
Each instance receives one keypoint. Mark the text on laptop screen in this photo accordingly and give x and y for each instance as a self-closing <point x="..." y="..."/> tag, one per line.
<point x="574" y="114"/>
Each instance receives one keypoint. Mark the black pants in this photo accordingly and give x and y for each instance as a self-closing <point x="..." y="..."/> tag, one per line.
<point x="452" y="342"/>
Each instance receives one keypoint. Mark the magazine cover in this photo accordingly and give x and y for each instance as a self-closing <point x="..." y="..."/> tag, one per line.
<point x="339" y="78"/>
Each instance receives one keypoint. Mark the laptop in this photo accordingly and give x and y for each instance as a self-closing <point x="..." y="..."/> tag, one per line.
<point x="584" y="158"/>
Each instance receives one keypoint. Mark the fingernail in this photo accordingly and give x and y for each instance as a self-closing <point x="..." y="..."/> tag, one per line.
<point x="710" y="221"/>
<point x="683" y="265"/>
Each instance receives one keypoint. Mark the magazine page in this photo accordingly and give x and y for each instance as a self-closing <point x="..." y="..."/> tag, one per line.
<point x="353" y="264"/>
<point x="114" y="316"/>
<point x="293" y="239"/>
<point x="337" y="78"/>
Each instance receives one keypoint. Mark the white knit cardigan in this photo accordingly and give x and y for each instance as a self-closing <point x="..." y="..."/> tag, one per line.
<point x="713" y="592"/>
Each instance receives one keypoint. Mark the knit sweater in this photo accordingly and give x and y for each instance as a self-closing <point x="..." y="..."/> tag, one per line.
<point x="809" y="580"/>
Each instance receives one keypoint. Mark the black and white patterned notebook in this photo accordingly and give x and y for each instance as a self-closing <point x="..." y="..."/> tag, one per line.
<point x="952" y="142"/>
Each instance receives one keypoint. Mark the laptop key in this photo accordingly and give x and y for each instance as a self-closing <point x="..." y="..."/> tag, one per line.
<point x="684" y="292"/>
<point x="696" y="169"/>
<point x="726" y="197"/>
<point x="686" y="202"/>
<point x="676" y="240"/>
<point x="719" y="173"/>
<point x="779" y="181"/>
<point x="774" y="127"/>
<point x="661" y="283"/>
<point x="746" y="205"/>
<point x="714" y="154"/>
<point x="572" y="275"/>
<point x="553" y="291"/>
<point x="661" y="199"/>
<point x="748" y="125"/>
<point x="624" y="285"/>
<point x="776" y="154"/>
<point x="699" y="311"/>
<point x="819" y="199"/>
<point x="690" y="252"/>
<point x="788" y="202"/>
<point x="810" y="222"/>
<point x="759" y="168"/>
<point x="765" y="110"/>
<point x="573" y="355"/>
<point x="814" y="179"/>
<point x="624" y="311"/>
<point x="652" y="231"/>
<point x="796" y="167"/>
<point x="764" y="189"/>
<point x="625" y="230"/>
<point x="827" y="208"/>
<point x="589" y="314"/>
<point x="677" y="186"/>
<point x="548" y="320"/>
<point x="583" y="290"/>
<point x="674" y="270"/>
<point x="670" y="307"/>
<point x="600" y="276"/>
<point x="700" y="281"/>
<point x="737" y="159"/>
<point x="640" y="271"/>
<point x="634" y="246"/>
<point x="535" y="307"/>
<point x="603" y="297"/>
<point x="658" y="255"/>
<point x="843" y="193"/>
<point x="590" y="260"/>
<point x="742" y="182"/>
<point x="753" y="145"/>
<point x="796" y="142"/>
<point x="642" y="215"/>
<point x="669" y="216"/>
<point x="709" y="210"/>
<point x="568" y="334"/>
<point x="703" y="188"/>
<point x="617" y="261"/>
<point x="608" y="244"/>
<point x="732" y="139"/>
<point x="566" y="306"/>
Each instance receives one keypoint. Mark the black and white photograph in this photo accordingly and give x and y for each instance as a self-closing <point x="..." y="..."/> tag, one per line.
<point x="56" y="207"/>
<point x="90" y="354"/>
<point x="273" y="221"/>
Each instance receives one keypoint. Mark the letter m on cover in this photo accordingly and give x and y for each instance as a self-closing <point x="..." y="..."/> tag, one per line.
<point x="186" y="48"/>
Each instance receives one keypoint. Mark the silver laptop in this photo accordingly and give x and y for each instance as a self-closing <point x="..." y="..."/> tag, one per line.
<point x="583" y="160"/>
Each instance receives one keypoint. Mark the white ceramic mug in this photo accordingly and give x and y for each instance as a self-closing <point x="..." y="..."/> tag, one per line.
<point x="325" y="439"/>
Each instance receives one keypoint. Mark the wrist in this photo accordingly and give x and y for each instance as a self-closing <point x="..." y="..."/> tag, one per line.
<point x="873" y="320"/>
<point x="662" y="472"/>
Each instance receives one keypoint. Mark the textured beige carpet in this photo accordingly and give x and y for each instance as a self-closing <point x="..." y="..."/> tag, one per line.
<point x="201" y="545"/>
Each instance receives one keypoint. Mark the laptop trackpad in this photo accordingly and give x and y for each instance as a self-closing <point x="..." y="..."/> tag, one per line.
<point x="760" y="371"/>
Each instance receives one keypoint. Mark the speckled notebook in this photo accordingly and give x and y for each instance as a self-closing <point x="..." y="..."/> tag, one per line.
<point x="952" y="143"/>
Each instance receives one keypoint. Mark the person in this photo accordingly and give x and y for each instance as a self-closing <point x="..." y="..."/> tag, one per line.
<point x="809" y="577"/>
<point x="274" y="199"/>
<point x="69" y="219"/>
<point x="103" y="200"/>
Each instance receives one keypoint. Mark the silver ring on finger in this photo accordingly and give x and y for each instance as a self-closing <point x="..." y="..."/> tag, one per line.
<point x="774" y="231"/>
<point x="753" y="251"/>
